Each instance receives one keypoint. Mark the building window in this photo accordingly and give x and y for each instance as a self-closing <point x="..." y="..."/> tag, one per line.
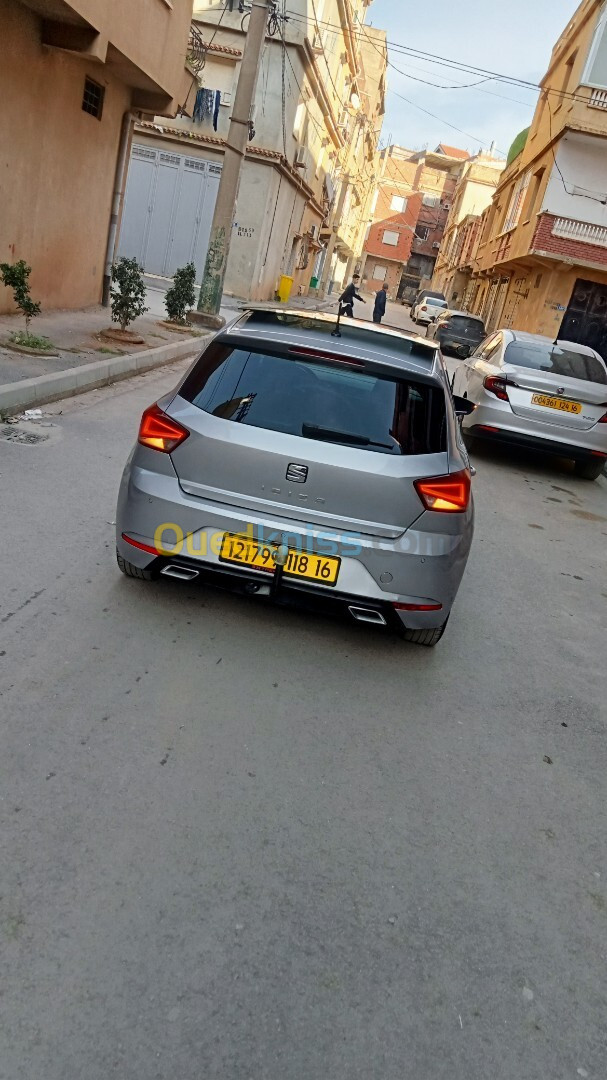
<point x="566" y="81"/>
<point x="595" y="73"/>
<point x="534" y="191"/>
<point x="398" y="203"/>
<point x="422" y="232"/>
<point x="379" y="273"/>
<point x="516" y="201"/>
<point x="390" y="238"/>
<point x="92" y="99"/>
<point x="431" y="200"/>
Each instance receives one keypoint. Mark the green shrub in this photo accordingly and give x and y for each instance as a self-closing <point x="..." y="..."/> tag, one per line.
<point x="128" y="292"/>
<point x="16" y="277"/>
<point x="181" y="296"/>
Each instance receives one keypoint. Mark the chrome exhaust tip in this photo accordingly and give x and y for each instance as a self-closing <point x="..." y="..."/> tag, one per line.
<point x="367" y="615"/>
<point x="182" y="573"/>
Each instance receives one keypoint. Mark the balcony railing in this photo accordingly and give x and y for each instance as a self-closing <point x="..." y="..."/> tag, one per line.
<point x="580" y="231"/>
<point x="598" y="99"/>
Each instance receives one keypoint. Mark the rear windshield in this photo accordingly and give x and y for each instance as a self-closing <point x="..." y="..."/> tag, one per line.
<point x="559" y="361"/>
<point x="462" y="322"/>
<point x="432" y="295"/>
<point x="433" y="301"/>
<point x="317" y="400"/>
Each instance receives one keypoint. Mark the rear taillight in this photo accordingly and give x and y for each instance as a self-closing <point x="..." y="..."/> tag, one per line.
<point x="159" y="431"/>
<point x="603" y="419"/>
<point x="496" y="386"/>
<point x="445" y="494"/>
<point x="424" y="308"/>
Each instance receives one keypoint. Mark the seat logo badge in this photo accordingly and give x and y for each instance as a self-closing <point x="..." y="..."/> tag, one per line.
<point x="560" y="389"/>
<point x="297" y="474"/>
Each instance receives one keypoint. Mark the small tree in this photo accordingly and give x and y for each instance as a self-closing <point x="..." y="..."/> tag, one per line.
<point x="16" y="277"/>
<point x="181" y="296"/>
<point x="128" y="292"/>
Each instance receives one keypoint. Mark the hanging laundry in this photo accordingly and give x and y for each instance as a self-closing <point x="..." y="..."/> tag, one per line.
<point x="204" y="105"/>
<point x="216" y="109"/>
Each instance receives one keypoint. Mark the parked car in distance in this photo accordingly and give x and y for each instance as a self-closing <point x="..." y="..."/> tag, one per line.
<point x="338" y="459"/>
<point x="426" y="309"/>
<point x="423" y="293"/>
<point x="546" y="395"/>
<point x="458" y="332"/>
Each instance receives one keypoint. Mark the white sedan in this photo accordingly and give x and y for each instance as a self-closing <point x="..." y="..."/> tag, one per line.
<point x="546" y="395"/>
<point x="427" y="309"/>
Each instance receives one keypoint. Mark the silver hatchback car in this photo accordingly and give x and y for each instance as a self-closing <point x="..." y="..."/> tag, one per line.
<point x="322" y="470"/>
<point x="546" y="395"/>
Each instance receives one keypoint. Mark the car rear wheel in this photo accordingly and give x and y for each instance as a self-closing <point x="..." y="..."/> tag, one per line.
<point x="134" y="571"/>
<point x="425" y="637"/>
<point x="589" y="470"/>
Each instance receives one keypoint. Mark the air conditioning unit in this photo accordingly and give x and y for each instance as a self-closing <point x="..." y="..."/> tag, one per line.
<point x="301" y="158"/>
<point x="313" y="232"/>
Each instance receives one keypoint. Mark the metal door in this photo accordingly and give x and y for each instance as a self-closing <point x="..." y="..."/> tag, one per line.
<point x="585" y="320"/>
<point x="168" y="210"/>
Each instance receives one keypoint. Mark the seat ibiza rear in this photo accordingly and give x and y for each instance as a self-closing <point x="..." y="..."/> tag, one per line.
<point x="309" y="468"/>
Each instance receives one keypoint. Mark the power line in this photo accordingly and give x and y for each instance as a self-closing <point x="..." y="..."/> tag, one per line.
<point x="442" y="61"/>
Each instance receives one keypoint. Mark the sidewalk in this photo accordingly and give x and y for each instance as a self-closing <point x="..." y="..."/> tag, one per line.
<point x="84" y="359"/>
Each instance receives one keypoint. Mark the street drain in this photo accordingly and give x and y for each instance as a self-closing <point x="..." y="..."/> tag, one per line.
<point x="15" y="434"/>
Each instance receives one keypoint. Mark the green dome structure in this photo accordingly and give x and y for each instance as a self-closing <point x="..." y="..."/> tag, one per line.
<point x="518" y="146"/>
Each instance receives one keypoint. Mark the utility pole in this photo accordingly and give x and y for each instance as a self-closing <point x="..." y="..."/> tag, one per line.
<point x="326" y="270"/>
<point x="211" y="289"/>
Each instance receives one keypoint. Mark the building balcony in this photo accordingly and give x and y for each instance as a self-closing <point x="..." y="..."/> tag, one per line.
<point x="570" y="241"/>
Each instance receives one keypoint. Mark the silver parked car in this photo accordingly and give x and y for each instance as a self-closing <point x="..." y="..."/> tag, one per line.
<point x="323" y="470"/>
<point x="542" y="394"/>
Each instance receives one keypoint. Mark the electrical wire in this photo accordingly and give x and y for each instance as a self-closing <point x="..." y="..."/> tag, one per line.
<point x="442" y="61"/>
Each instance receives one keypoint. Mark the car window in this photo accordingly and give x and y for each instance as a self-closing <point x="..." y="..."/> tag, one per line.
<point x="544" y="356"/>
<point x="317" y="400"/>
<point x="489" y="348"/>
<point x="430" y="301"/>
<point x="465" y="322"/>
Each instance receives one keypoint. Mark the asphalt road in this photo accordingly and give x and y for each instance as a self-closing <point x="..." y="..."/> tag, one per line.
<point x="246" y="844"/>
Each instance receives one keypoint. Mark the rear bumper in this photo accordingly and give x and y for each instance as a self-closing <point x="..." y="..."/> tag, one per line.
<point x="499" y="423"/>
<point x="425" y="564"/>
<point x="295" y="594"/>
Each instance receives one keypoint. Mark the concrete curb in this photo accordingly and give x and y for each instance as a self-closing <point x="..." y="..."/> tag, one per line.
<point x="77" y="380"/>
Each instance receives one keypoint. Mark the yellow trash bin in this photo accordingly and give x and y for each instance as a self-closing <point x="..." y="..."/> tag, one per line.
<point x="284" y="288"/>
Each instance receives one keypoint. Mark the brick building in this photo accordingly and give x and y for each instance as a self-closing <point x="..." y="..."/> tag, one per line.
<point x="411" y="207"/>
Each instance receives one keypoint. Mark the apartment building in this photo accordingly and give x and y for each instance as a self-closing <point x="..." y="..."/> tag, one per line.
<point x="411" y="206"/>
<point x="72" y="76"/>
<point x="541" y="262"/>
<point x="310" y="168"/>
<point x="473" y="193"/>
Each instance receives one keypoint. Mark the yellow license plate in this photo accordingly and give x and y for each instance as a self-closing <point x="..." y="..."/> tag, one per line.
<point x="247" y="552"/>
<point x="556" y="403"/>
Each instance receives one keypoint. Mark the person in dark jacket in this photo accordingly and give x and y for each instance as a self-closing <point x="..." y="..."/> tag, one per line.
<point x="348" y="296"/>
<point x="379" y="308"/>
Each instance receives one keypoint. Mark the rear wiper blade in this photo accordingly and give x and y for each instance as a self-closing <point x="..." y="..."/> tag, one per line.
<point x="314" y="431"/>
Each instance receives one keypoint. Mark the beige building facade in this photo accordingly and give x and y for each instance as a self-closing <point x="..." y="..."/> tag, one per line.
<point x="309" y="171"/>
<point x="69" y="74"/>
<point x="541" y="260"/>
<point x="473" y="193"/>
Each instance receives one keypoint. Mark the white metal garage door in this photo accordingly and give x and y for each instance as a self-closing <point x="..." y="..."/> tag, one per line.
<point x="168" y="210"/>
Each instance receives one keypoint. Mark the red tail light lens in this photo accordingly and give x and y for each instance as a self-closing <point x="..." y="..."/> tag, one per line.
<point x="159" y="431"/>
<point x="424" y="308"/>
<point x="445" y="494"/>
<point x="603" y="419"/>
<point x="496" y="386"/>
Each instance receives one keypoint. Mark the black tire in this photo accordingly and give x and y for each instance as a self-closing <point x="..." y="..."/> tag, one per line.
<point x="134" y="571"/>
<point x="589" y="470"/>
<point x="425" y="637"/>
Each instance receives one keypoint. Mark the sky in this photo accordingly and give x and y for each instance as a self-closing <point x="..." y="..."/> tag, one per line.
<point x="498" y="37"/>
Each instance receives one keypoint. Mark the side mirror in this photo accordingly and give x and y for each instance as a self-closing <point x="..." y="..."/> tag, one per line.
<point x="463" y="406"/>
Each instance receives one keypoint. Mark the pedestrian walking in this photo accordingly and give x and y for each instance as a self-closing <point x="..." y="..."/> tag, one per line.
<point x="379" y="308"/>
<point x="348" y="296"/>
